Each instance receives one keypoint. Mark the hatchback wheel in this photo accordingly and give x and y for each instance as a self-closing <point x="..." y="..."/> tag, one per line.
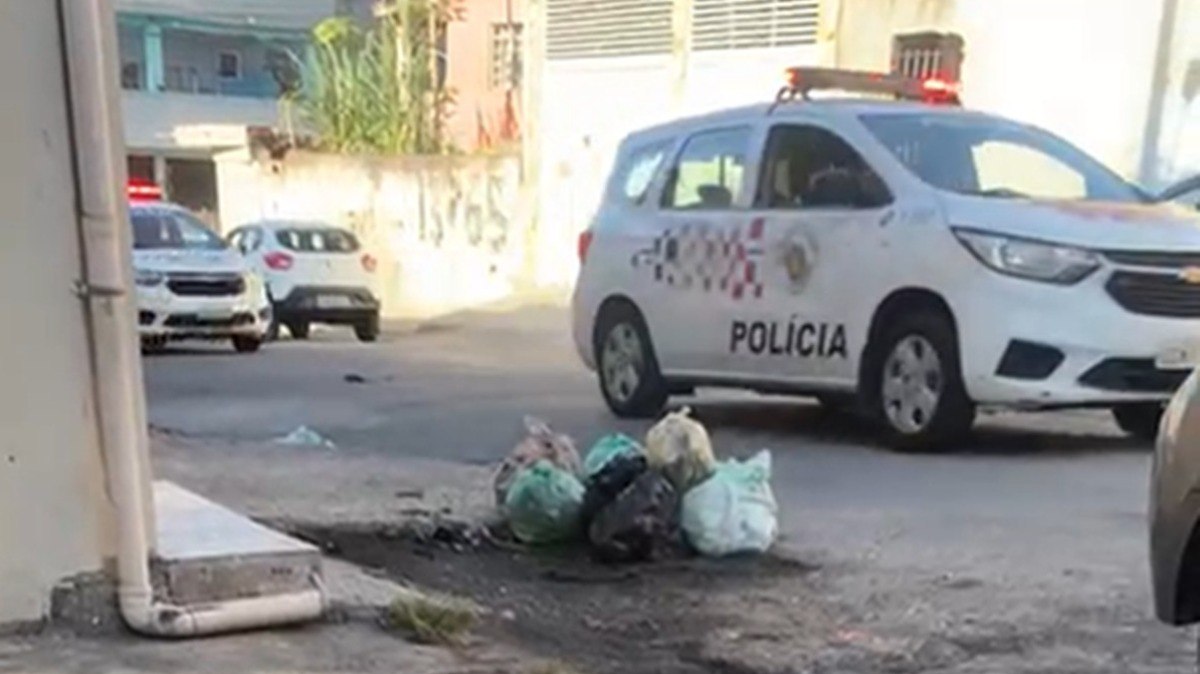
<point x="918" y="391"/>
<point x="627" y="367"/>
<point x="367" y="330"/>
<point x="1139" y="420"/>
<point x="299" y="329"/>
<point x="246" y="343"/>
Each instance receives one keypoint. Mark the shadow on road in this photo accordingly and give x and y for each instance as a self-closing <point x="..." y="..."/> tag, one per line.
<point x="799" y="420"/>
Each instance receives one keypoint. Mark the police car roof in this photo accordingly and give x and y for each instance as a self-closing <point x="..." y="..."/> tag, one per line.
<point x="152" y="205"/>
<point x="831" y="107"/>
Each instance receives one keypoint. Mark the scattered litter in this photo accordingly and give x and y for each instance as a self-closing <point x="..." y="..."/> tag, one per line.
<point x="679" y="446"/>
<point x="608" y="448"/>
<point x="540" y="443"/>
<point x="734" y="511"/>
<point x="303" y="435"/>
<point x="543" y="504"/>
<point x="640" y="521"/>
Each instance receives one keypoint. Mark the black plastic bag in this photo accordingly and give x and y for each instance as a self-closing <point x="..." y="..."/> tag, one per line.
<point x="639" y="522"/>
<point x="608" y="482"/>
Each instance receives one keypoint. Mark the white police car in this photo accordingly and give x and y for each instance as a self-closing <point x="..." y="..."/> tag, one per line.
<point x="919" y="259"/>
<point x="190" y="284"/>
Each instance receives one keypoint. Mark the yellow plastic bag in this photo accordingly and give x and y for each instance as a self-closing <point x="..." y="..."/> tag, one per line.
<point x="679" y="447"/>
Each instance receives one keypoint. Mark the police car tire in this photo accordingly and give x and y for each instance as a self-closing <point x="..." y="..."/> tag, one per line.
<point x="1139" y="420"/>
<point x="955" y="411"/>
<point x="652" y="391"/>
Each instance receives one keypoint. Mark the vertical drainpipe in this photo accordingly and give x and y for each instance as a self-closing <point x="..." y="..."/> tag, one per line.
<point x="1152" y="132"/>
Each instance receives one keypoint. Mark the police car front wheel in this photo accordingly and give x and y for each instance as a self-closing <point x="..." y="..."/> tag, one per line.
<point x="918" y="391"/>
<point x="628" y="370"/>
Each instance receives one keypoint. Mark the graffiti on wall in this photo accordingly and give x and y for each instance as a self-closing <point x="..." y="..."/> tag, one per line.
<point x="469" y="206"/>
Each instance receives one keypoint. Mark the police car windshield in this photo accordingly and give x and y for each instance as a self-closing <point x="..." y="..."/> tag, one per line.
<point x="154" y="229"/>
<point x="991" y="157"/>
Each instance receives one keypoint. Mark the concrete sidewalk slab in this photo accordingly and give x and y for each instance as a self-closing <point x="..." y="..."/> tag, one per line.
<point x="206" y="552"/>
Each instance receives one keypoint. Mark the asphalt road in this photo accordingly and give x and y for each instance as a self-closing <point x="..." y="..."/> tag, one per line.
<point x="1032" y="535"/>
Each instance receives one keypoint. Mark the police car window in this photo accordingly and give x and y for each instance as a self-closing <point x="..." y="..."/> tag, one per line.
<point x="635" y="173"/>
<point x="708" y="173"/>
<point x="1002" y="166"/>
<point x="991" y="157"/>
<point x="810" y="167"/>
<point x="166" y="230"/>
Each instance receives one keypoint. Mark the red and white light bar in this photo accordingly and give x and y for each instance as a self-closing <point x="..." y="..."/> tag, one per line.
<point x="800" y="81"/>
<point x="142" y="190"/>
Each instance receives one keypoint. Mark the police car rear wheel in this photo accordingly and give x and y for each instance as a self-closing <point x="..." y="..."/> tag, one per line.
<point x="628" y="370"/>
<point x="919" y="393"/>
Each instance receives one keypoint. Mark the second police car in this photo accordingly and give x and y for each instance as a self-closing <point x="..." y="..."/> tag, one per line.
<point x="918" y="260"/>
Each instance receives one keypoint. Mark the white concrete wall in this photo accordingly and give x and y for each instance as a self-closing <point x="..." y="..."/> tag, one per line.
<point x="1080" y="68"/>
<point x="446" y="230"/>
<point x="590" y="105"/>
<point x="55" y="520"/>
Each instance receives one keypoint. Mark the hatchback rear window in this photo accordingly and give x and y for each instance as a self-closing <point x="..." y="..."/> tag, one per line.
<point x="312" y="240"/>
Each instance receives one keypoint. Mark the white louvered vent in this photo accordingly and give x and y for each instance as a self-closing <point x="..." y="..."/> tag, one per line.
<point x="747" y="24"/>
<point x="585" y="28"/>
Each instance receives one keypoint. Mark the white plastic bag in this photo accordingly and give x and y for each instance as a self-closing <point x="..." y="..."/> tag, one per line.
<point x="679" y="446"/>
<point x="734" y="511"/>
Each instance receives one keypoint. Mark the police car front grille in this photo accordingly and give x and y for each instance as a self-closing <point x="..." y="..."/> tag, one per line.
<point x="1155" y="294"/>
<point x="1165" y="259"/>
<point x="206" y="285"/>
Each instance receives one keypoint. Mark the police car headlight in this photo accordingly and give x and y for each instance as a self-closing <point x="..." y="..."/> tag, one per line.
<point x="148" y="278"/>
<point x="1034" y="260"/>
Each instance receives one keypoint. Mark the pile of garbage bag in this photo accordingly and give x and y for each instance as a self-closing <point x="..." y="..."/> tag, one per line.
<point x="633" y="501"/>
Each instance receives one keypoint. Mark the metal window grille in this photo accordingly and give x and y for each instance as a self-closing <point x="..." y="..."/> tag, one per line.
<point x="589" y="28"/>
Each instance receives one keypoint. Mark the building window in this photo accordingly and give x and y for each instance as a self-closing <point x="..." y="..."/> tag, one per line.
<point x="930" y="54"/>
<point x="506" y="64"/>
<point x="229" y="65"/>
<point x="131" y="75"/>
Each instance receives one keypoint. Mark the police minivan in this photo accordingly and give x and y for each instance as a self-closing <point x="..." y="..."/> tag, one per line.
<point x="912" y="257"/>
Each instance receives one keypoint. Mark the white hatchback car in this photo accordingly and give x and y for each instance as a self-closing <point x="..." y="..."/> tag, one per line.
<point x="916" y="260"/>
<point x="315" y="273"/>
<point x="190" y="285"/>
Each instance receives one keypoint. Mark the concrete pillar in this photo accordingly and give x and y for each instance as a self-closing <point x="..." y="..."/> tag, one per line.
<point x="55" y="517"/>
<point x="1152" y="131"/>
<point x="160" y="175"/>
<point x="681" y="52"/>
<point x="153" y="46"/>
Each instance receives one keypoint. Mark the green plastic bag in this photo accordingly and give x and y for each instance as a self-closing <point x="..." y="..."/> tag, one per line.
<point x="606" y="449"/>
<point x="543" y="504"/>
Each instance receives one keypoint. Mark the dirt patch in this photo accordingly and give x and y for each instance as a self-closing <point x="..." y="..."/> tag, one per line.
<point x="754" y="614"/>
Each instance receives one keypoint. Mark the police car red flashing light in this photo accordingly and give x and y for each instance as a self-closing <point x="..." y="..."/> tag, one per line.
<point x="139" y="189"/>
<point x="800" y="81"/>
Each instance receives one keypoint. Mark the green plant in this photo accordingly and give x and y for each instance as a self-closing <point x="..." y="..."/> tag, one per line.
<point x="431" y="620"/>
<point x="378" y="89"/>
